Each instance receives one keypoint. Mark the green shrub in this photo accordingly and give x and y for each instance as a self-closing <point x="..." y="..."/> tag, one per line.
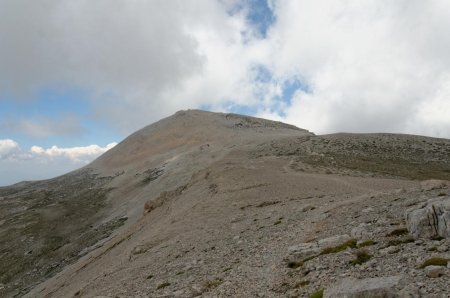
<point x="317" y="294"/>
<point x="437" y="238"/>
<point x="163" y="285"/>
<point x="398" y="242"/>
<point x="309" y="258"/>
<point x="294" y="264"/>
<point x="398" y="232"/>
<point x="367" y="243"/>
<point x="211" y="284"/>
<point x="434" y="262"/>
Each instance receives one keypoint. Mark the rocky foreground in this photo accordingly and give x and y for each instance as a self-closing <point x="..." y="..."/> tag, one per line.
<point x="221" y="205"/>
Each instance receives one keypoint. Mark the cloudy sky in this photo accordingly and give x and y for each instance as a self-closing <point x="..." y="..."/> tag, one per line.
<point x="78" y="76"/>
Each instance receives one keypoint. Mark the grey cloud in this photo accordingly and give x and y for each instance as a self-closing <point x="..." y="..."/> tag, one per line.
<point x="380" y="66"/>
<point x="131" y="51"/>
<point x="65" y="125"/>
<point x="99" y="44"/>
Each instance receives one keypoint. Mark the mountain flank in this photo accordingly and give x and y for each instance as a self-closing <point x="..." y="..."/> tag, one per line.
<point x="205" y="204"/>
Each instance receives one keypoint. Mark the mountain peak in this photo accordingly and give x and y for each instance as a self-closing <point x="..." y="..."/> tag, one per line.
<point x="226" y="205"/>
<point x="188" y="129"/>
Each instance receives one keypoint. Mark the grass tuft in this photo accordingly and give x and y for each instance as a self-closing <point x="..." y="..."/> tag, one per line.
<point x="302" y="284"/>
<point x="163" y="285"/>
<point x="294" y="264"/>
<point x="398" y="232"/>
<point x="347" y="244"/>
<point x="317" y="294"/>
<point x="211" y="284"/>
<point x="362" y="256"/>
<point x="398" y="242"/>
<point x="367" y="243"/>
<point x="434" y="262"/>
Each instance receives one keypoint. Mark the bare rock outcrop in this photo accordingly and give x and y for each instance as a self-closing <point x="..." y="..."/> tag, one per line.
<point x="379" y="287"/>
<point x="433" y="184"/>
<point x="435" y="271"/>
<point x="431" y="220"/>
<point x="304" y="250"/>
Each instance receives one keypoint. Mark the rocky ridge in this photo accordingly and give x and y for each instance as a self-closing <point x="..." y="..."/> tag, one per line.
<point x="222" y="205"/>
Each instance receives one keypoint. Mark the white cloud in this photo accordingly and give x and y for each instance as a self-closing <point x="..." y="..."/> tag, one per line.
<point x="39" y="163"/>
<point x="76" y="155"/>
<point x="8" y="148"/>
<point x="371" y="66"/>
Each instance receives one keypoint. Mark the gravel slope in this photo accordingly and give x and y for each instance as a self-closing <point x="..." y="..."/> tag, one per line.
<point x="228" y="196"/>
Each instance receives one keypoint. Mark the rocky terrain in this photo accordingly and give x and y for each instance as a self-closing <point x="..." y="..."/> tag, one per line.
<point x="220" y="205"/>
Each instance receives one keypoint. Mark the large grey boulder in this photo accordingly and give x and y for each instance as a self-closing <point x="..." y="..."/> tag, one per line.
<point x="379" y="287"/>
<point x="430" y="221"/>
<point x="435" y="271"/>
<point x="302" y="251"/>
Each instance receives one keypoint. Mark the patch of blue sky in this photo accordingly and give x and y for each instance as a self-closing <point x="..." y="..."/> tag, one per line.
<point x="260" y="15"/>
<point x="48" y="103"/>
<point x="289" y="88"/>
<point x="262" y="73"/>
<point x="232" y="107"/>
<point x="54" y="105"/>
<point x="241" y="109"/>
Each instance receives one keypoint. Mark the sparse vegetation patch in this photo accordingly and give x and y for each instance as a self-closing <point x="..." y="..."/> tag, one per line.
<point x="211" y="284"/>
<point x="348" y="244"/>
<point x="398" y="232"/>
<point x="163" y="285"/>
<point x="434" y="262"/>
<point x="302" y="284"/>
<point x="396" y="242"/>
<point x="294" y="265"/>
<point x="317" y="294"/>
<point x="367" y="243"/>
<point x="362" y="256"/>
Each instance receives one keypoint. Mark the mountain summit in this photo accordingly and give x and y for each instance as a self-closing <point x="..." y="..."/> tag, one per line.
<point x="205" y="204"/>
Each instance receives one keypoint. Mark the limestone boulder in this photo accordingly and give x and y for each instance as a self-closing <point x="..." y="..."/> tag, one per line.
<point x="379" y="287"/>
<point x="302" y="251"/>
<point x="430" y="221"/>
